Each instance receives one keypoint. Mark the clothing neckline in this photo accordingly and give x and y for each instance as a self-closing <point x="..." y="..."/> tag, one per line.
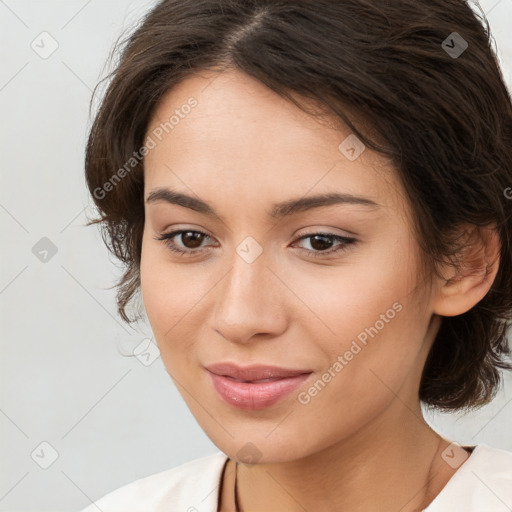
<point x="221" y="482"/>
<point x="459" y="475"/>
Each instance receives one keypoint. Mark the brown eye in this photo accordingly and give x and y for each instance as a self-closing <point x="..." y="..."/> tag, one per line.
<point x="321" y="242"/>
<point x="192" y="239"/>
<point x="188" y="242"/>
<point x="326" y="244"/>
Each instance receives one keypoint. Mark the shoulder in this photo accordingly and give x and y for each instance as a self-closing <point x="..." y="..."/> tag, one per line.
<point x="483" y="482"/>
<point x="190" y="487"/>
<point x="496" y="461"/>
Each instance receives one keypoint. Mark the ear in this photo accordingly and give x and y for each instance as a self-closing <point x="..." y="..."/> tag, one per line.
<point x="463" y="287"/>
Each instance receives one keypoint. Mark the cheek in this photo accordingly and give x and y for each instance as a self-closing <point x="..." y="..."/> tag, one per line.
<point x="362" y="378"/>
<point x="167" y="293"/>
<point x="351" y="297"/>
<point x="376" y="323"/>
<point x="172" y="295"/>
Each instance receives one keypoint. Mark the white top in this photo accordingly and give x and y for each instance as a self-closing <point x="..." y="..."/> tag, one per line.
<point x="482" y="484"/>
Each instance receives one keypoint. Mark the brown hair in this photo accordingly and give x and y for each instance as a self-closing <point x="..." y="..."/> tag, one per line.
<point x="422" y="74"/>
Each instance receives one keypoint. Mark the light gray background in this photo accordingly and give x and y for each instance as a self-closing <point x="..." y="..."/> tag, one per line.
<point x="111" y="419"/>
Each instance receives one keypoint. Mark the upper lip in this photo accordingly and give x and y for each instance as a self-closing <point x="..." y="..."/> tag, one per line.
<point x="253" y="372"/>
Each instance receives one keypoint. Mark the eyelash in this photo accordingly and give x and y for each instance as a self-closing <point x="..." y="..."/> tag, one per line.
<point x="346" y="241"/>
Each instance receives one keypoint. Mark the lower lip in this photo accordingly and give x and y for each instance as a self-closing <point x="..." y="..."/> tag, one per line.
<point x="253" y="396"/>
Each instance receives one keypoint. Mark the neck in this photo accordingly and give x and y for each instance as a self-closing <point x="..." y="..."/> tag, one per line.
<point x="401" y="469"/>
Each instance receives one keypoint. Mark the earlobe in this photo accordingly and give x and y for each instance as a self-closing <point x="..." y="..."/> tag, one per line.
<point x="478" y="264"/>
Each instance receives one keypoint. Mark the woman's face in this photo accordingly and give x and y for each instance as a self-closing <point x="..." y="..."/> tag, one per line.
<point x="260" y="289"/>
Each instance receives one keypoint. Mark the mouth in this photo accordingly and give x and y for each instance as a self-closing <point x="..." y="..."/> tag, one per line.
<point x="254" y="387"/>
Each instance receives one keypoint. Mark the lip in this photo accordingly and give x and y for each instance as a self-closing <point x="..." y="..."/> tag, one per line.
<point x="254" y="387"/>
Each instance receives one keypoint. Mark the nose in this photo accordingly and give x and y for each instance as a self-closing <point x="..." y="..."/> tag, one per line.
<point x="249" y="302"/>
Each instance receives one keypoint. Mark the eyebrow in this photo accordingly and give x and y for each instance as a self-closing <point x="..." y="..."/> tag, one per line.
<point x="283" y="209"/>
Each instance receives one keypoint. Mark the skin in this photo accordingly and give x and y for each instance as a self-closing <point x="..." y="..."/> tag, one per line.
<point x="361" y="443"/>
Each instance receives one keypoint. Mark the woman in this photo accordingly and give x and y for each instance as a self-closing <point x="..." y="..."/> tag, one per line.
<point x="312" y="199"/>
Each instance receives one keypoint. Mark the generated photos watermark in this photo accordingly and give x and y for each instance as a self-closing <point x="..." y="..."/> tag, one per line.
<point x="356" y="346"/>
<point x="150" y="143"/>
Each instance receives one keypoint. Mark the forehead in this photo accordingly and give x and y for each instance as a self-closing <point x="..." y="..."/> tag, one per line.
<point x="230" y="105"/>
<point x="228" y="129"/>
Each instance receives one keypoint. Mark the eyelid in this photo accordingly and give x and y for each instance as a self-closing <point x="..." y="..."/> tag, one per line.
<point x="327" y="231"/>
